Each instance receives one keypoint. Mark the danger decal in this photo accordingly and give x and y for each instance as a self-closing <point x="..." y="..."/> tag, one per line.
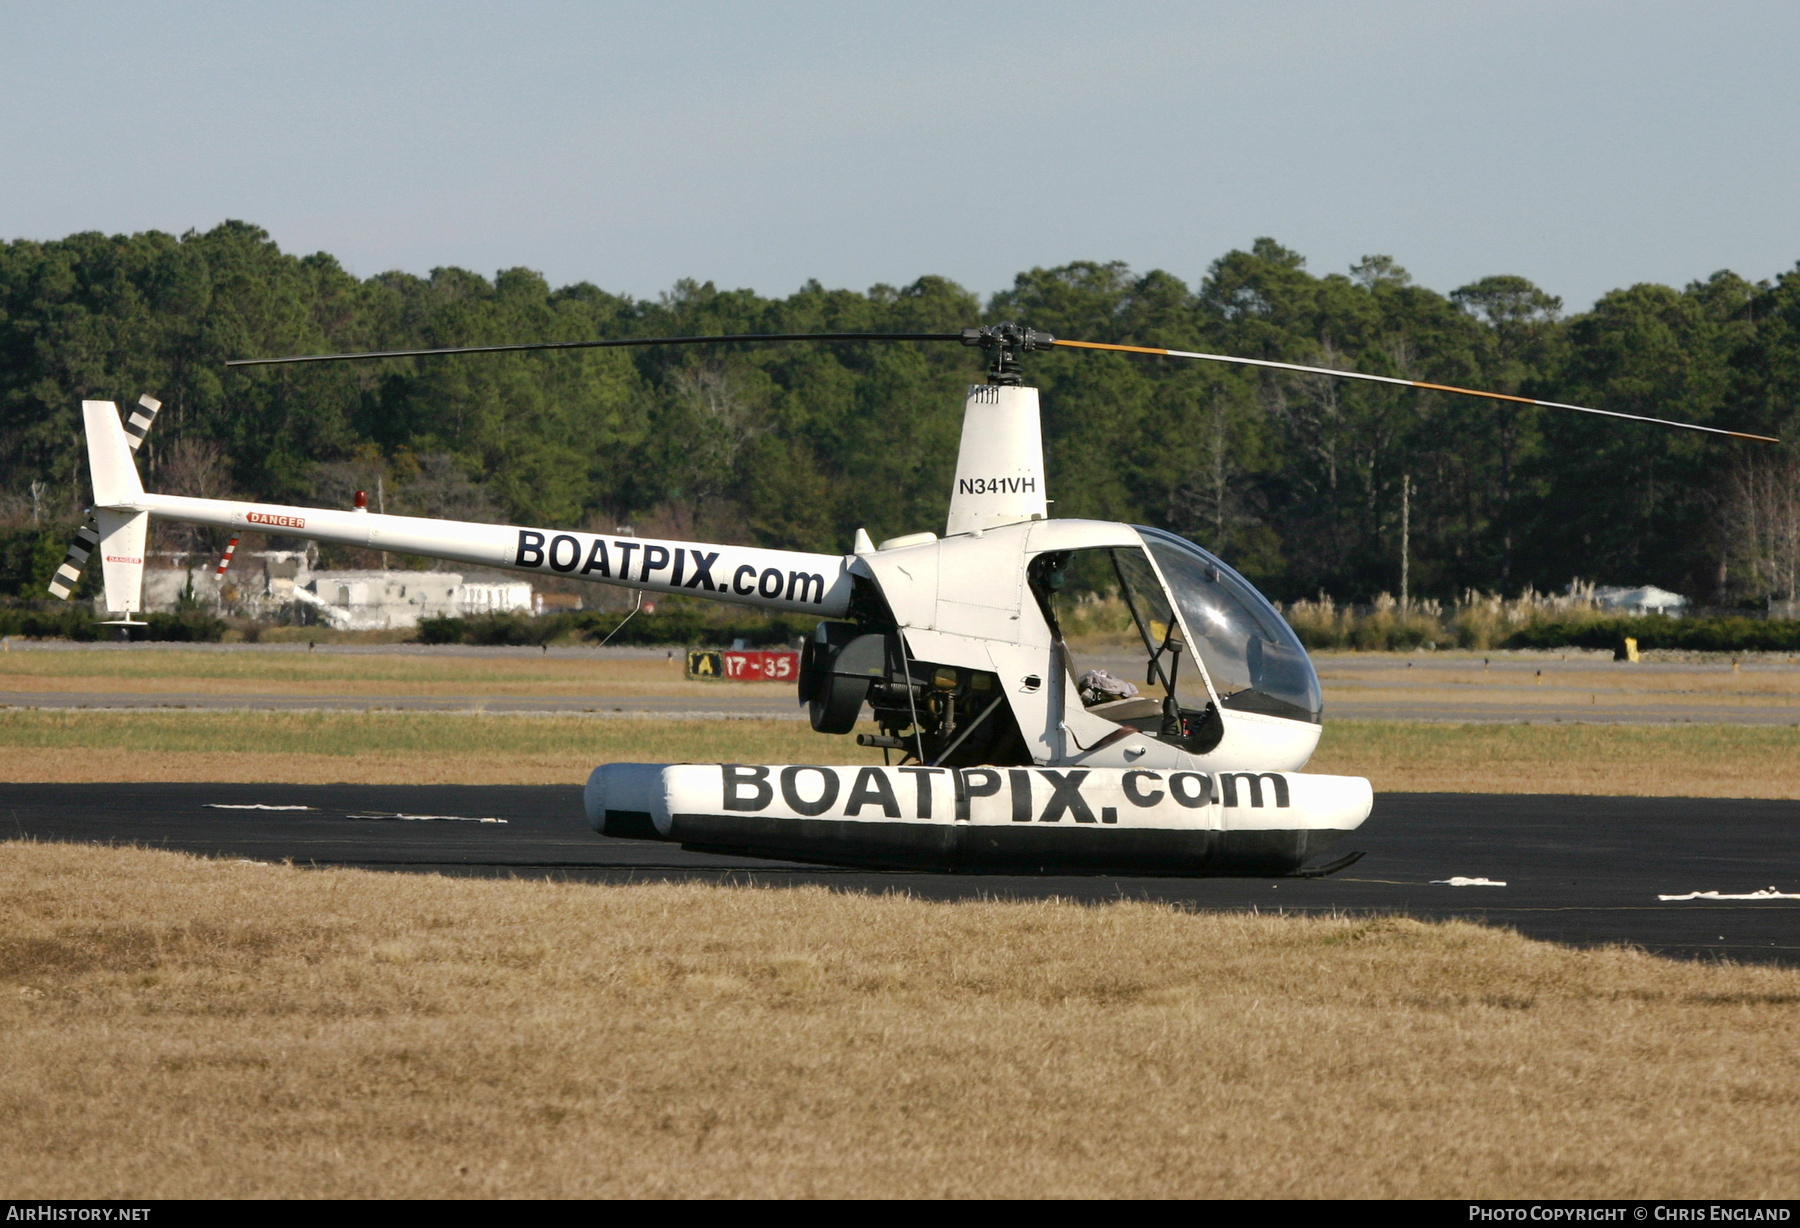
<point x="279" y="522"/>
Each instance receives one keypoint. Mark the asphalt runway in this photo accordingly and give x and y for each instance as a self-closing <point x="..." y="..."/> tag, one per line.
<point x="1579" y="870"/>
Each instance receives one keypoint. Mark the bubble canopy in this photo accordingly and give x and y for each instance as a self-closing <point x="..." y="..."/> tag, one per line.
<point x="1255" y="661"/>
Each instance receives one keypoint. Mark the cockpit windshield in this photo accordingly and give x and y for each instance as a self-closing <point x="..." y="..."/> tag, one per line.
<point x="1254" y="659"/>
<point x="1110" y="602"/>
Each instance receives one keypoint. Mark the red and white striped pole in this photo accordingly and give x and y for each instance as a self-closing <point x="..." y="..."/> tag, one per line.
<point x="226" y="561"/>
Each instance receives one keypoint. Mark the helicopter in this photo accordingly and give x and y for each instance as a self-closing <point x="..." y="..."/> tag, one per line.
<point x="1018" y="752"/>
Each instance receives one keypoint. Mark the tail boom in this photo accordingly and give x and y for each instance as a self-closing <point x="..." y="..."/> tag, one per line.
<point x="775" y="580"/>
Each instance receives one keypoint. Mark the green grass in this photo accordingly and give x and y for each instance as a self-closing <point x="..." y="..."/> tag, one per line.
<point x="439" y="735"/>
<point x="280" y="667"/>
<point x="1685" y="760"/>
<point x="1438" y="738"/>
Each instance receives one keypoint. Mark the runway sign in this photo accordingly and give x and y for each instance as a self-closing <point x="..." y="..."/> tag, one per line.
<point x="744" y="665"/>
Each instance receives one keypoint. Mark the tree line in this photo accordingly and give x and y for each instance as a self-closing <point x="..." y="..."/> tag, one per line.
<point x="1301" y="481"/>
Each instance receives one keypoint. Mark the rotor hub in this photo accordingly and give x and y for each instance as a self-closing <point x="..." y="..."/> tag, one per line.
<point x="1006" y="342"/>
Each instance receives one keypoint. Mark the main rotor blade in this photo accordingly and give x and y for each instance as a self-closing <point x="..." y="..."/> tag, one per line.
<point x="593" y="345"/>
<point x="1407" y="383"/>
<point x="1004" y="336"/>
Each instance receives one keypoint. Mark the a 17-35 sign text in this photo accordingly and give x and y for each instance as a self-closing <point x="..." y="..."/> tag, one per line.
<point x="744" y="664"/>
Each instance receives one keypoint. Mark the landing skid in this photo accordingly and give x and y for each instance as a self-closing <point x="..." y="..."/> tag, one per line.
<point x="1330" y="867"/>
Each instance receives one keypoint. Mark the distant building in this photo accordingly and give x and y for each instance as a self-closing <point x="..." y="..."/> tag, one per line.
<point x="1647" y="599"/>
<point x="283" y="584"/>
<point x="555" y="603"/>
<point x="491" y="597"/>
<point x="388" y="600"/>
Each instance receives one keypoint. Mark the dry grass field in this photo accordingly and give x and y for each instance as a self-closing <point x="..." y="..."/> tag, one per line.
<point x="175" y="1027"/>
<point x="1566" y="684"/>
<point x="381" y="747"/>
<point x="456" y="748"/>
<point x="1609" y="760"/>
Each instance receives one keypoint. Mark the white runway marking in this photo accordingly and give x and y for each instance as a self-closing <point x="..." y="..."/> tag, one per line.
<point x="430" y="818"/>
<point x="1768" y="893"/>
<point x="423" y="818"/>
<point x="1460" y="881"/>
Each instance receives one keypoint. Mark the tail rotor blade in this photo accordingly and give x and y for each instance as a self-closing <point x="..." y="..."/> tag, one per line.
<point x="137" y="422"/>
<point x="1407" y="383"/>
<point x="69" y="574"/>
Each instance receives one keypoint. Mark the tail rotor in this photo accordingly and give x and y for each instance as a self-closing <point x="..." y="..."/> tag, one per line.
<point x="69" y="574"/>
<point x="87" y="537"/>
<point x="137" y="422"/>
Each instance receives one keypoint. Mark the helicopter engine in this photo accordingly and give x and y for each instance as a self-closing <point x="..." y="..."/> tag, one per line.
<point x="941" y="714"/>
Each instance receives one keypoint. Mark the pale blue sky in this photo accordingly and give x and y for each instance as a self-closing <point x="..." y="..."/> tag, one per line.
<point x="1585" y="146"/>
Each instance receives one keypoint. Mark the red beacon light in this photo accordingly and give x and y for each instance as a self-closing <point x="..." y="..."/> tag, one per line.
<point x="362" y="500"/>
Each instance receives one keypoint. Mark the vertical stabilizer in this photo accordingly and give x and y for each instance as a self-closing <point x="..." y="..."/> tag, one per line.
<point x="1000" y="464"/>
<point x="114" y="477"/>
<point x="122" y="556"/>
